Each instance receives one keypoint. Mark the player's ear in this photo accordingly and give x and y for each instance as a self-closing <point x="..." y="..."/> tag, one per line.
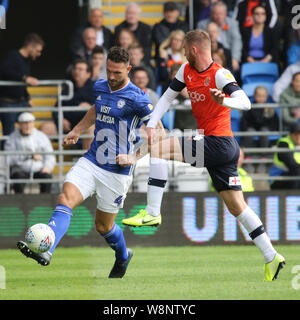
<point x="129" y="68"/>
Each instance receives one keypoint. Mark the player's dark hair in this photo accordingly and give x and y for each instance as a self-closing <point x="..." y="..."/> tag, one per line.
<point x="118" y="54"/>
<point x="33" y="38"/>
<point x="88" y="66"/>
<point x="98" y="49"/>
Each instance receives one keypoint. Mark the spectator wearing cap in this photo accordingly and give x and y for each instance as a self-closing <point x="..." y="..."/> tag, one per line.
<point x="169" y="23"/>
<point x="16" y="67"/>
<point x="37" y="166"/>
<point x="141" y="30"/>
<point x="287" y="164"/>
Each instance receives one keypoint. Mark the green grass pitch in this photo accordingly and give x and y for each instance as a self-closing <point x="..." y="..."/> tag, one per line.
<point x="156" y="273"/>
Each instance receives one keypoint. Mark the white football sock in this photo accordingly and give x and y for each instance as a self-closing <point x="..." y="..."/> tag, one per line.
<point x="156" y="185"/>
<point x="249" y="219"/>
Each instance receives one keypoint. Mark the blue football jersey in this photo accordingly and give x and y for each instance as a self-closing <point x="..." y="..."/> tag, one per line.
<point x="119" y="115"/>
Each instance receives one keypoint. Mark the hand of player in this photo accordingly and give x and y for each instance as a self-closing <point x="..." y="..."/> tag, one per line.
<point x="217" y="95"/>
<point x="125" y="160"/>
<point x="71" y="138"/>
<point x="151" y="133"/>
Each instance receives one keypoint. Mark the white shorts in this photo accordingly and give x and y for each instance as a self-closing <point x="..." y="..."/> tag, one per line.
<point x="110" y="188"/>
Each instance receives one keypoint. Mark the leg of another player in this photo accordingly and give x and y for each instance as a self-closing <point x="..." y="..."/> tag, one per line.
<point x="69" y="199"/>
<point x="168" y="149"/>
<point x="156" y="183"/>
<point x="237" y="206"/>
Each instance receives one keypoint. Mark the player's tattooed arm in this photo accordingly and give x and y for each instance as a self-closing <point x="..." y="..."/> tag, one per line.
<point x="86" y="122"/>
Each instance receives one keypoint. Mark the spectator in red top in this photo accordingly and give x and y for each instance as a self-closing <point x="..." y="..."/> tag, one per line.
<point x="243" y="12"/>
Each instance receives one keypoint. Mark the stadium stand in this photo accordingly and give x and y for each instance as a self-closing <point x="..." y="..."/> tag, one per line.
<point x="151" y="11"/>
<point x="252" y="75"/>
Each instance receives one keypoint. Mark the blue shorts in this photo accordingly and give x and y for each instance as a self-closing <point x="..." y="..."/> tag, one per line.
<point x="219" y="155"/>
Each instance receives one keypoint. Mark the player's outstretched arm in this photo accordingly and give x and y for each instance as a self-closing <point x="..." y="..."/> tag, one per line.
<point x="87" y="121"/>
<point x="237" y="100"/>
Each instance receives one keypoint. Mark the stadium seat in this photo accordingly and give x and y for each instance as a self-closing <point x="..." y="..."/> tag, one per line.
<point x="249" y="88"/>
<point x="168" y="120"/>
<point x="235" y="120"/>
<point x="259" y="72"/>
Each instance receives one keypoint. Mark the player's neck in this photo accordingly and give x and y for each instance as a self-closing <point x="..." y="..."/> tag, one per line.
<point x="203" y="64"/>
<point x="121" y="87"/>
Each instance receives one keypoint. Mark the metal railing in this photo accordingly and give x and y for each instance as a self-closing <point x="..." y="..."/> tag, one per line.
<point x="60" y="153"/>
<point x="60" y="97"/>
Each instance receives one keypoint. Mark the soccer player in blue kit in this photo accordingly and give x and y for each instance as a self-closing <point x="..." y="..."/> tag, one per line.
<point x="120" y="109"/>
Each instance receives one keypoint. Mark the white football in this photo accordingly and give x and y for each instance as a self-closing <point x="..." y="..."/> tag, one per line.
<point x="40" y="238"/>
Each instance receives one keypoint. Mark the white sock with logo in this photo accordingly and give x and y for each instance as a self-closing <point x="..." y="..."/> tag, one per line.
<point x="156" y="185"/>
<point x="249" y="219"/>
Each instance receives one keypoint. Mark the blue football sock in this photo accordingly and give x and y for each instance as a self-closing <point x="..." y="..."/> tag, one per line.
<point x="115" y="239"/>
<point x="59" y="223"/>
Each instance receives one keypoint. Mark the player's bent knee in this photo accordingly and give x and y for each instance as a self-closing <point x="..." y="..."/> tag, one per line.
<point x="102" y="227"/>
<point x="64" y="199"/>
<point x="70" y="196"/>
<point x="236" y="208"/>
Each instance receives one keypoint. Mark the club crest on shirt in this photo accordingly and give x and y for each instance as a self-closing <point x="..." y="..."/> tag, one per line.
<point x="228" y="75"/>
<point x="121" y="104"/>
<point x="206" y="81"/>
<point x="150" y="106"/>
<point x="189" y="77"/>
